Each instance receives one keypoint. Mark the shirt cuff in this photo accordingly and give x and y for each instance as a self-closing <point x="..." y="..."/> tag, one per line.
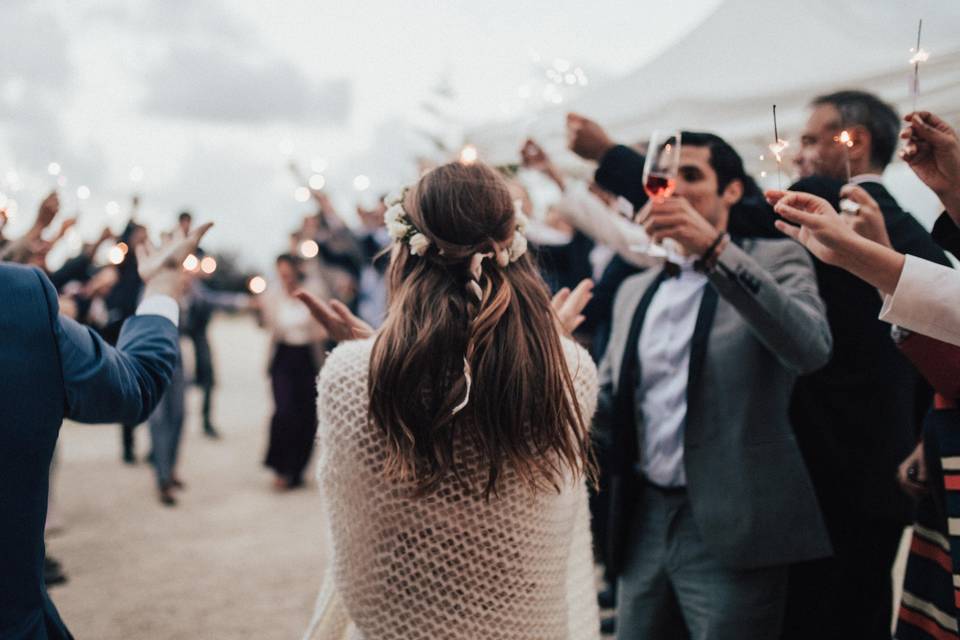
<point x="909" y="305"/>
<point x="160" y="305"/>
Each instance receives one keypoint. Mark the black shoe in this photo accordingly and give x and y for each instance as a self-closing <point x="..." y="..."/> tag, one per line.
<point x="53" y="573"/>
<point x="607" y="599"/>
<point x="166" y="496"/>
<point x="608" y="626"/>
<point x="211" y="432"/>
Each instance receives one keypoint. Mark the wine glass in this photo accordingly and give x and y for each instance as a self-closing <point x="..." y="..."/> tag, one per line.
<point x="660" y="172"/>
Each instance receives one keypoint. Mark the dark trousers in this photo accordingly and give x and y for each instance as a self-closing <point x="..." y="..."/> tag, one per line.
<point x="672" y="588"/>
<point x="851" y="594"/>
<point x="293" y="427"/>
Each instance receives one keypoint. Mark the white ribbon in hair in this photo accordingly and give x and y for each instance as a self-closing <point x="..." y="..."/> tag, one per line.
<point x="466" y="397"/>
<point x="476" y="270"/>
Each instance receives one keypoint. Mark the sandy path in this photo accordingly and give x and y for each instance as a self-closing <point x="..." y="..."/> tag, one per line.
<point x="232" y="560"/>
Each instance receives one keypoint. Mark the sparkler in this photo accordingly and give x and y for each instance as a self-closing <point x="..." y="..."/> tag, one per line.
<point x="309" y="249"/>
<point x="257" y="285"/>
<point x="919" y="55"/>
<point x="468" y="155"/>
<point x="846" y="141"/>
<point x="777" y="148"/>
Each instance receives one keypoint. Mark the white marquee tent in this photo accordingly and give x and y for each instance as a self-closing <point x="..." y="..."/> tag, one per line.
<point x="725" y="74"/>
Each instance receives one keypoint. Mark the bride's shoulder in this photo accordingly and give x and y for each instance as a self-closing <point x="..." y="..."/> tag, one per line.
<point x="347" y="364"/>
<point x="579" y="362"/>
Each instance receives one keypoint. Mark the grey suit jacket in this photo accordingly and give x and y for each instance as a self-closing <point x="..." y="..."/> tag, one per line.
<point x="761" y="324"/>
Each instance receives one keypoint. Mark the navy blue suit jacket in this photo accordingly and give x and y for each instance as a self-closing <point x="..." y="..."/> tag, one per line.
<point x="53" y="368"/>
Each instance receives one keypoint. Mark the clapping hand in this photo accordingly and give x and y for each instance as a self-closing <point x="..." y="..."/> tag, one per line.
<point x="341" y="324"/>
<point x="933" y="152"/>
<point x="160" y="267"/>
<point x="568" y="305"/>
<point x="47" y="212"/>
<point x="532" y="156"/>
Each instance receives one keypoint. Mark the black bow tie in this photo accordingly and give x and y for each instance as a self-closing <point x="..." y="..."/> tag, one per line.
<point x="671" y="269"/>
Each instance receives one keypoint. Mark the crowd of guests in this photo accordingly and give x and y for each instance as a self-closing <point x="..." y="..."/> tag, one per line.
<point x="771" y="405"/>
<point x="763" y="436"/>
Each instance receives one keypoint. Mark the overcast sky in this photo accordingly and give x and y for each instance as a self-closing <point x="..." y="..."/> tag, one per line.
<point x="210" y="99"/>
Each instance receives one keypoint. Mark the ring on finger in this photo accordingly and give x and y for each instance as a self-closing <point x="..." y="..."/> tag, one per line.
<point x="850" y="207"/>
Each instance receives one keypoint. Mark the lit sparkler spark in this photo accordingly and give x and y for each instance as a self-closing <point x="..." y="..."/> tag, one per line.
<point x="777" y="148"/>
<point x="919" y="55"/>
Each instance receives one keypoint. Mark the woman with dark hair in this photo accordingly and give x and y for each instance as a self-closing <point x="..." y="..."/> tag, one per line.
<point x="454" y="441"/>
<point x="295" y="360"/>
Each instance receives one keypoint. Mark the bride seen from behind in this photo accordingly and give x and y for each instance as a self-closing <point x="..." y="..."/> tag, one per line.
<point x="454" y="443"/>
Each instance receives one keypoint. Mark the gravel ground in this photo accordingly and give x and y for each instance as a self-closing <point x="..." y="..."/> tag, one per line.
<point x="231" y="560"/>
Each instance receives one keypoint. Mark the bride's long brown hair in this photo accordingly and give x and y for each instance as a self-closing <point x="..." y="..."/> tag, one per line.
<point x="522" y="412"/>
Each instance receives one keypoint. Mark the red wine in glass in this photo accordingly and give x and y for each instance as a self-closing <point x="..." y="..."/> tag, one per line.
<point x="659" y="186"/>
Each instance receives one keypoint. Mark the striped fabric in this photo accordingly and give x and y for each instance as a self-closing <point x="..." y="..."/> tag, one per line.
<point x="931" y="589"/>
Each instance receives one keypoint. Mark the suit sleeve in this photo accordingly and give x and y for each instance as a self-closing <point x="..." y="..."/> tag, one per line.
<point x="107" y="384"/>
<point x="782" y="305"/>
<point x="908" y="236"/>
<point x="946" y="233"/>
<point x="621" y="172"/>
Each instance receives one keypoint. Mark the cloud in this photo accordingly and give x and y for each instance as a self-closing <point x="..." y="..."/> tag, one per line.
<point x="36" y="81"/>
<point x="203" y="20"/>
<point x="206" y="83"/>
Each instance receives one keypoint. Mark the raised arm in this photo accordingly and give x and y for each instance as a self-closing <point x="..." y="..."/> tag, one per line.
<point x="780" y="302"/>
<point x="124" y="384"/>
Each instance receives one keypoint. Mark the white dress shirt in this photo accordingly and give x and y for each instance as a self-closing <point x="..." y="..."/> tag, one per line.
<point x="664" y="352"/>
<point x="160" y="305"/>
<point x="926" y="300"/>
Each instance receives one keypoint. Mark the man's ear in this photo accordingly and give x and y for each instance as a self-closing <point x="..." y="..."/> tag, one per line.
<point x="862" y="142"/>
<point x="732" y="192"/>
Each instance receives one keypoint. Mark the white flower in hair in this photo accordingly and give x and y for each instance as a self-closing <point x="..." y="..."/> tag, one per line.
<point x="518" y="246"/>
<point x="397" y="230"/>
<point x="393" y="214"/>
<point x="419" y="244"/>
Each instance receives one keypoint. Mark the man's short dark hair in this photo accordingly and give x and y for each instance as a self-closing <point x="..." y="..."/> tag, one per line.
<point x="185" y="215"/>
<point x="726" y="162"/>
<point x="871" y="113"/>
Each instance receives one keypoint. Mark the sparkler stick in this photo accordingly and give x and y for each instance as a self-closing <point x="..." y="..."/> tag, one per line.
<point x="919" y="55"/>
<point x="777" y="148"/>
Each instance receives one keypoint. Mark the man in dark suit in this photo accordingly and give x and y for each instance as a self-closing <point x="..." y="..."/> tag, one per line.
<point x="710" y="497"/>
<point x="856" y="418"/>
<point x="53" y="368"/>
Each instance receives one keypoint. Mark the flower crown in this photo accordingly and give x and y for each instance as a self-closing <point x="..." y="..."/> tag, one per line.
<point x="401" y="229"/>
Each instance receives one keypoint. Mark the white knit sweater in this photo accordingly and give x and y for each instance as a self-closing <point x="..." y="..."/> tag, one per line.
<point x="450" y="565"/>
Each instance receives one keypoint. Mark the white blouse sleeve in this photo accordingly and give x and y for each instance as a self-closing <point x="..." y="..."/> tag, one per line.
<point x="587" y="213"/>
<point x="926" y="301"/>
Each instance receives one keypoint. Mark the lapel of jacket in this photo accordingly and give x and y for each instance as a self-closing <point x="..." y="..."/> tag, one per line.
<point x="700" y="342"/>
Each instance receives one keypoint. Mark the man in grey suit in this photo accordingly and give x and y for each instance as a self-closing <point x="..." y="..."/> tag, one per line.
<point x="711" y="499"/>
